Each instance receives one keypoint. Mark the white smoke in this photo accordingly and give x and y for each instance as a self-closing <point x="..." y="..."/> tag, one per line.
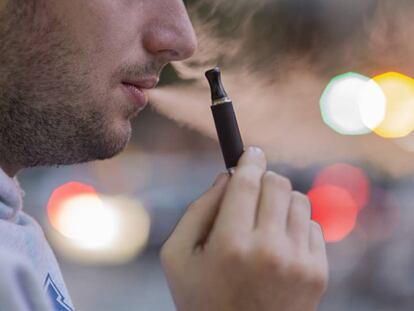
<point x="277" y="57"/>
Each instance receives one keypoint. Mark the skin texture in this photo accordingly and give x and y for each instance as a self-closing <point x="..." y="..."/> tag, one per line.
<point x="61" y="68"/>
<point x="247" y="244"/>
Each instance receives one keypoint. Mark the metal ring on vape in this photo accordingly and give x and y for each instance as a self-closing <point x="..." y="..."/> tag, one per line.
<point x="221" y="101"/>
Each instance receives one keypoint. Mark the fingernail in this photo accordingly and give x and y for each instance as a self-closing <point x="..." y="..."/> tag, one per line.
<point x="255" y="151"/>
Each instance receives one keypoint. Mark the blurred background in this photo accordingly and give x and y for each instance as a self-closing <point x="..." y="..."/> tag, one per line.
<point x="325" y="87"/>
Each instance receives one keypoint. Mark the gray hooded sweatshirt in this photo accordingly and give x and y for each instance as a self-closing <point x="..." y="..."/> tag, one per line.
<point x="30" y="278"/>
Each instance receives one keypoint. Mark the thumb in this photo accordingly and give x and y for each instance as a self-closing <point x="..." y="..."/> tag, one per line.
<point x="194" y="226"/>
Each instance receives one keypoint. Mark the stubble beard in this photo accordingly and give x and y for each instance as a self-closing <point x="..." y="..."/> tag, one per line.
<point x="48" y="115"/>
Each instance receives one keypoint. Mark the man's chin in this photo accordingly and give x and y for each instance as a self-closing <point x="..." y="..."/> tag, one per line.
<point x="81" y="152"/>
<point x="110" y="153"/>
<point x="110" y="147"/>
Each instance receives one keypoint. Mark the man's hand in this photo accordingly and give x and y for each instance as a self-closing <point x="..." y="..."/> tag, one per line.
<point x="248" y="244"/>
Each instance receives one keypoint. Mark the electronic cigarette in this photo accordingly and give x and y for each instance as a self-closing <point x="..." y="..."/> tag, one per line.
<point x="225" y="120"/>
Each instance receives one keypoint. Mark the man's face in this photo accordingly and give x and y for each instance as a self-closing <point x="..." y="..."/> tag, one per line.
<point x="67" y="70"/>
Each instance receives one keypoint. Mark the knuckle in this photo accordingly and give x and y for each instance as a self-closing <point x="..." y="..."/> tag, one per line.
<point x="310" y="276"/>
<point x="301" y="201"/>
<point x="318" y="231"/>
<point x="301" y="198"/>
<point x="317" y="228"/>
<point x="269" y="258"/>
<point x="245" y="179"/>
<point x="278" y="181"/>
<point x="297" y="271"/>
<point x="232" y="251"/>
<point x="319" y="281"/>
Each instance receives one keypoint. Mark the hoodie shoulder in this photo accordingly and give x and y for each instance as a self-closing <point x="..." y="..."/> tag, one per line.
<point x="19" y="286"/>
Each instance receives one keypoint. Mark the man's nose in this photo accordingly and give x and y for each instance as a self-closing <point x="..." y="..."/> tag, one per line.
<point x="171" y="36"/>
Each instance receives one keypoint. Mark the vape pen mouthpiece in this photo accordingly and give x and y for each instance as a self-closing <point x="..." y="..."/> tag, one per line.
<point x="218" y="94"/>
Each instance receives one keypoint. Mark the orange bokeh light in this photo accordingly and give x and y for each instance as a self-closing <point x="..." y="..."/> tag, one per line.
<point x="399" y="93"/>
<point x="348" y="177"/>
<point x="335" y="210"/>
<point x="62" y="194"/>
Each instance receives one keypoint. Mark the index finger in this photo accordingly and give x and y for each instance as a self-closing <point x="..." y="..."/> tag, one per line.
<point x="238" y="209"/>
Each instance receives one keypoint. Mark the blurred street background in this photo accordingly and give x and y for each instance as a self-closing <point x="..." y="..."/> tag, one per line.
<point x="325" y="87"/>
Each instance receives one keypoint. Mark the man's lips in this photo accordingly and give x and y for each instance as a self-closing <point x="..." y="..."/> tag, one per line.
<point x="136" y="90"/>
<point x="148" y="83"/>
<point x="136" y="95"/>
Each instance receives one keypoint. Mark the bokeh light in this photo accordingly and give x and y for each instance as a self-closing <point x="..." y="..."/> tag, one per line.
<point x="372" y="103"/>
<point x="95" y="228"/>
<point x="338" y="193"/>
<point x="88" y="222"/>
<point x="399" y="93"/>
<point x="335" y="210"/>
<point x="343" y="100"/>
<point x="351" y="178"/>
<point x="62" y="194"/>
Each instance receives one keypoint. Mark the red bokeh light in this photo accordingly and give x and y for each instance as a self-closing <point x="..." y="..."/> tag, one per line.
<point x="348" y="177"/>
<point x="335" y="210"/>
<point x="63" y="193"/>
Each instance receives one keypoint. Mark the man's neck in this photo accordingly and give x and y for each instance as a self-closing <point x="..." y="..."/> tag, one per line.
<point x="10" y="169"/>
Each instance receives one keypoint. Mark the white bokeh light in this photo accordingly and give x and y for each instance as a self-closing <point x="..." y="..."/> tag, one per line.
<point x="89" y="222"/>
<point x="94" y="228"/>
<point x="352" y="104"/>
<point x="372" y="104"/>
